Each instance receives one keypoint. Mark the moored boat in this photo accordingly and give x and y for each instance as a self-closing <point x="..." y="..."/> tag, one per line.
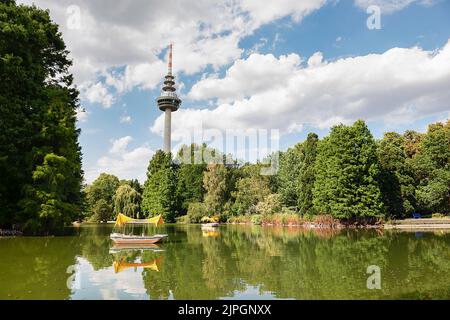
<point x="125" y="239"/>
<point x="119" y="238"/>
<point x="210" y="225"/>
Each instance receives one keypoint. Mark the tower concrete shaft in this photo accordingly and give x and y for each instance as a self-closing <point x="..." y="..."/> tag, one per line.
<point x="167" y="130"/>
<point x="168" y="102"/>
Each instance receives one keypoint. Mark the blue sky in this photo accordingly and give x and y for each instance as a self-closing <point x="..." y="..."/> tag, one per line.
<point x="295" y="66"/>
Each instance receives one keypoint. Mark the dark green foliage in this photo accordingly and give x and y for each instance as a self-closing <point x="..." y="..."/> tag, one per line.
<point x="347" y="173"/>
<point x="159" y="195"/>
<point x="397" y="180"/>
<point x="190" y="176"/>
<point x="40" y="159"/>
<point x="432" y="170"/>
<point x="306" y="177"/>
<point x="102" y="211"/>
<point x="101" y="190"/>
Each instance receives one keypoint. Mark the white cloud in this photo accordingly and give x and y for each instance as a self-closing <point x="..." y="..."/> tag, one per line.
<point x="258" y="73"/>
<point x="132" y="35"/>
<point x="119" y="146"/>
<point x="122" y="161"/>
<point x="402" y="84"/>
<point x="97" y="93"/>
<point x="390" y="6"/>
<point x="125" y="119"/>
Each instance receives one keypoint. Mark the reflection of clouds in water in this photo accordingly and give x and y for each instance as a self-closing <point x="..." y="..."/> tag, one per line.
<point x="252" y="293"/>
<point x="107" y="285"/>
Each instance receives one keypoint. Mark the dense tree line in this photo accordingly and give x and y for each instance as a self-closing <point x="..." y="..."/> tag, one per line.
<point x="40" y="158"/>
<point x="347" y="174"/>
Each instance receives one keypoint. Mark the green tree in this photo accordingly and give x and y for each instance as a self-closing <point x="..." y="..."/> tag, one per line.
<point x="412" y="142"/>
<point x="104" y="187"/>
<point x="47" y="205"/>
<point x="159" y="195"/>
<point x="101" y="211"/>
<point x="134" y="183"/>
<point x="347" y="173"/>
<point x="432" y="169"/>
<point x="215" y="184"/>
<point x="127" y="201"/>
<point x="306" y="176"/>
<point x="190" y="175"/>
<point x="250" y="189"/>
<point x="38" y="122"/>
<point x="397" y="180"/>
<point x="288" y="175"/>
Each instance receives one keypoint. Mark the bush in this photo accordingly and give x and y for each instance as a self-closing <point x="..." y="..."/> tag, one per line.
<point x="438" y="215"/>
<point x="196" y="211"/>
<point x="271" y="205"/>
<point x="256" y="219"/>
<point x="183" y="219"/>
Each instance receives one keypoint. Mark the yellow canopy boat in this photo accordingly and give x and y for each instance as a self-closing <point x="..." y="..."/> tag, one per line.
<point x="122" y="220"/>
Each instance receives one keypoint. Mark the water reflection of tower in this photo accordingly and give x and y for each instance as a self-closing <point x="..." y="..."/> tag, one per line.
<point x="168" y="102"/>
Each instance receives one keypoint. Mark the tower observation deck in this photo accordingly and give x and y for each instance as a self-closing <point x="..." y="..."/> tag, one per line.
<point x="168" y="102"/>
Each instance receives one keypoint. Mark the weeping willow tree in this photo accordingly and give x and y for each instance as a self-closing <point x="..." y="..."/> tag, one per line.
<point x="127" y="201"/>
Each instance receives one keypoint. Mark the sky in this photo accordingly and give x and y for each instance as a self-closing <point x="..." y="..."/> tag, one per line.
<point x="244" y="68"/>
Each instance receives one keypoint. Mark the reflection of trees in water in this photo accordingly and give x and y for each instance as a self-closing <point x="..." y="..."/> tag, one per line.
<point x="36" y="268"/>
<point x="95" y="244"/>
<point x="288" y="262"/>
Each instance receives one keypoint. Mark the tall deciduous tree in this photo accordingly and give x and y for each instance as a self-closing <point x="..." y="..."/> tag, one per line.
<point x="347" y="173"/>
<point x="215" y="184"/>
<point x="397" y="181"/>
<point x="251" y="189"/>
<point x="127" y="201"/>
<point x="103" y="188"/>
<point x="190" y="175"/>
<point x="288" y="175"/>
<point x="307" y="177"/>
<point x="432" y="169"/>
<point x="39" y="149"/>
<point x="159" y="195"/>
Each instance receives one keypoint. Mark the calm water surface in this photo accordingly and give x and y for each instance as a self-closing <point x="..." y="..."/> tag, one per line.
<point x="236" y="262"/>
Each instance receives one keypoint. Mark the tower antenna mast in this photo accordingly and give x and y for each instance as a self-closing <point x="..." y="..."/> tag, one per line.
<point x="168" y="102"/>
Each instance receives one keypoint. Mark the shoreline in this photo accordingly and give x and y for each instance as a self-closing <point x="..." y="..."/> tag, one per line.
<point x="406" y="224"/>
<point x="10" y="233"/>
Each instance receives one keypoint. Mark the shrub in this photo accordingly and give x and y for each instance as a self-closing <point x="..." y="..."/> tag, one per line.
<point x="196" y="211"/>
<point x="438" y="215"/>
<point x="271" y="205"/>
<point x="183" y="219"/>
<point x="256" y="219"/>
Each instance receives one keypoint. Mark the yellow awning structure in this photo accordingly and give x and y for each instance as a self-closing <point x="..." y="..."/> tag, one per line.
<point x="123" y="219"/>
<point x="121" y="265"/>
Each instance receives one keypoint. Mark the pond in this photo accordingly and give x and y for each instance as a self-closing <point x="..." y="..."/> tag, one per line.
<point x="234" y="262"/>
